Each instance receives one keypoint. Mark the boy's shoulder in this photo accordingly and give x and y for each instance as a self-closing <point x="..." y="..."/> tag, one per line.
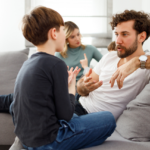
<point x="44" y="58"/>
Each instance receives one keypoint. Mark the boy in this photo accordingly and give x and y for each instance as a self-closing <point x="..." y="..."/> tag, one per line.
<point x="44" y="93"/>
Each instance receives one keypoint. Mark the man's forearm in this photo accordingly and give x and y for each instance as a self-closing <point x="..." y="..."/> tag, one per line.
<point x="81" y="89"/>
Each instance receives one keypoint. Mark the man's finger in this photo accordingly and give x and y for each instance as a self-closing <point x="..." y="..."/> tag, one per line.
<point x="118" y="80"/>
<point x="90" y="83"/>
<point x="96" y="85"/>
<point x="121" y="81"/>
<point x="87" y="79"/>
<point x="88" y="74"/>
<point x="113" y="78"/>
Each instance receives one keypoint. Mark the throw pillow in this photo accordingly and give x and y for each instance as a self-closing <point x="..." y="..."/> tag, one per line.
<point x="134" y="123"/>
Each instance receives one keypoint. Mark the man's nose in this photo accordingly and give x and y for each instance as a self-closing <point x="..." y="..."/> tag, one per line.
<point x="118" y="39"/>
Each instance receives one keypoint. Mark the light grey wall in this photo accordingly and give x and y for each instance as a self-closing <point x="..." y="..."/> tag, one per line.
<point x="11" y="13"/>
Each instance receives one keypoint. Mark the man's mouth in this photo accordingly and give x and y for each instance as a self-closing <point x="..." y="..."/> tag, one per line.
<point x="119" y="48"/>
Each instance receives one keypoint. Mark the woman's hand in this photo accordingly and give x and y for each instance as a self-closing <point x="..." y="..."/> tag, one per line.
<point x="84" y="62"/>
<point x="123" y="71"/>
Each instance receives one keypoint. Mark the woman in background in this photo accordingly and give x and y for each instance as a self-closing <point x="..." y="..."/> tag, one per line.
<point x="75" y="53"/>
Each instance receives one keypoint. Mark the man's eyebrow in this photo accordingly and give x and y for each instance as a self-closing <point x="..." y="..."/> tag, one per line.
<point x="122" y="32"/>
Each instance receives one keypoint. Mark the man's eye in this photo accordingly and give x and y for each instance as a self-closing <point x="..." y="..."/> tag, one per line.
<point x="116" y="34"/>
<point x="124" y="34"/>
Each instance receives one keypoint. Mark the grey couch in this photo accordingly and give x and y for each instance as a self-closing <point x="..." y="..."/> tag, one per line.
<point x="10" y="63"/>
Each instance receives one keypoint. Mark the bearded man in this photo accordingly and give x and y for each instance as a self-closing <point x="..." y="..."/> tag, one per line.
<point x="98" y="89"/>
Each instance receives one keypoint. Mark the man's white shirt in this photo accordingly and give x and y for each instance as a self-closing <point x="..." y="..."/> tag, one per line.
<point x="114" y="99"/>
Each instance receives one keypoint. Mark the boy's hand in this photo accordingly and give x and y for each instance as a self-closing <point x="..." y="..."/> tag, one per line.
<point x="72" y="79"/>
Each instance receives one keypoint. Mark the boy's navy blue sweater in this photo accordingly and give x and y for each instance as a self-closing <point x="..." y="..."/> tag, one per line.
<point x="41" y="98"/>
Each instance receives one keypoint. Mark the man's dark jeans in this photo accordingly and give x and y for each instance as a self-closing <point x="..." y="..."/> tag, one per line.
<point x="79" y="110"/>
<point x="6" y="105"/>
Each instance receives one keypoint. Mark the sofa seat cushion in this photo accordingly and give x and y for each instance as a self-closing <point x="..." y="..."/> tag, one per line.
<point x="7" y="135"/>
<point x="134" y="123"/>
<point x="117" y="142"/>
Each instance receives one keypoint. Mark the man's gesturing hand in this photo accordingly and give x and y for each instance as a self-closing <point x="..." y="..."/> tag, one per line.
<point x="89" y="83"/>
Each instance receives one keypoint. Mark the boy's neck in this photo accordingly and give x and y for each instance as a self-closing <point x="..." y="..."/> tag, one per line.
<point x="47" y="47"/>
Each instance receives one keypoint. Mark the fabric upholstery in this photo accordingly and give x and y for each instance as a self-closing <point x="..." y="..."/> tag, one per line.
<point x="117" y="142"/>
<point x="134" y="123"/>
<point x="10" y="64"/>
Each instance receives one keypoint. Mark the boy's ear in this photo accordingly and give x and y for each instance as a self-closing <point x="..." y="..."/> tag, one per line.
<point x="142" y="36"/>
<point x="52" y="33"/>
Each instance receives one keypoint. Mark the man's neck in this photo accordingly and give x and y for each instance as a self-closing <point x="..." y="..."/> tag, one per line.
<point x="137" y="53"/>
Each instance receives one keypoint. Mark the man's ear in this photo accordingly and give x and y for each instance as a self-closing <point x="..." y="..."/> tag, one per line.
<point x="52" y="33"/>
<point x="142" y="36"/>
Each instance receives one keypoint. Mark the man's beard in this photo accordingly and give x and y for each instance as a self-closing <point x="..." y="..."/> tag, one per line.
<point x="127" y="51"/>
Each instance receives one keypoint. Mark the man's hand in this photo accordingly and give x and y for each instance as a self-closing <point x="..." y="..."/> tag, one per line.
<point x="123" y="71"/>
<point x="84" y="62"/>
<point x="89" y="83"/>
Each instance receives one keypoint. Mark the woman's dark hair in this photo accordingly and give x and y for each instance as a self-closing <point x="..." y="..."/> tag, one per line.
<point x="142" y="20"/>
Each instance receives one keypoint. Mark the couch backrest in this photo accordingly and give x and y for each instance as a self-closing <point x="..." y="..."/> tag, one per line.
<point x="10" y="64"/>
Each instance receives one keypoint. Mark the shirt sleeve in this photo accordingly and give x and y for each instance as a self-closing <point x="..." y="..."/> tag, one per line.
<point x="96" y="54"/>
<point x="64" y="102"/>
<point x="97" y="68"/>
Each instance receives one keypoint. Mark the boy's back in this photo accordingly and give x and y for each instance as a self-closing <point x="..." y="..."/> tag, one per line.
<point x="38" y="80"/>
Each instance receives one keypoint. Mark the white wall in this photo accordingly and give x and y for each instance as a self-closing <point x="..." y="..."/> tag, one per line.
<point x="138" y="5"/>
<point x="11" y="13"/>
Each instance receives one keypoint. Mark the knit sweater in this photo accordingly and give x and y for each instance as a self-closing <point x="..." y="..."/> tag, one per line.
<point x="74" y="55"/>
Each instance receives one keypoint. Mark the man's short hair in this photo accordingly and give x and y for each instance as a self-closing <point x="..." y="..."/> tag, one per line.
<point x="112" y="46"/>
<point x="142" y="20"/>
<point x="38" y="22"/>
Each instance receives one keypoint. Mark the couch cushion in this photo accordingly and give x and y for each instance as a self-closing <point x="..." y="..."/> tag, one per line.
<point x="134" y="123"/>
<point x="116" y="142"/>
<point x="7" y="135"/>
<point x="10" y="64"/>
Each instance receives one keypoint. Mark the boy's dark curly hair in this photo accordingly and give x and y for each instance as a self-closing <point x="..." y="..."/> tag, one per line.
<point x="142" y="20"/>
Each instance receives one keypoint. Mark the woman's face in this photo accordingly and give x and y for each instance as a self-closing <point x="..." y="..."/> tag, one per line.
<point x="75" y="39"/>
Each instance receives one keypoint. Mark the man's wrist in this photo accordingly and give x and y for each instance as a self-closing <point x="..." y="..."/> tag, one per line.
<point x="137" y="62"/>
